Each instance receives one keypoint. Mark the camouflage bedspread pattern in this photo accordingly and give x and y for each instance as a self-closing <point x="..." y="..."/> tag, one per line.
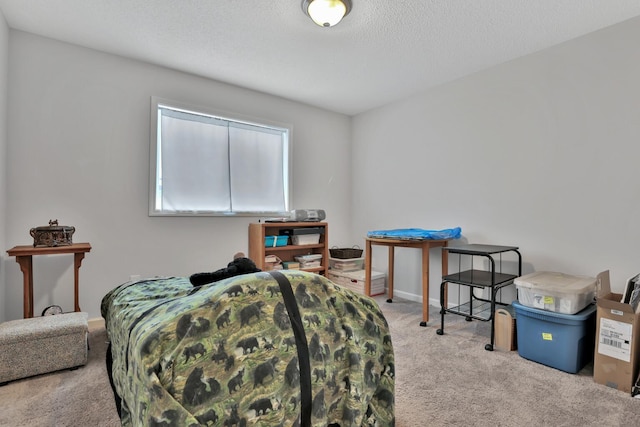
<point x="224" y="354"/>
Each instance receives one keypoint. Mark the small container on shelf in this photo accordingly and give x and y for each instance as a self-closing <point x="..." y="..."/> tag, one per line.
<point x="304" y="236"/>
<point x="305" y="239"/>
<point x="302" y="231"/>
<point x="275" y="241"/>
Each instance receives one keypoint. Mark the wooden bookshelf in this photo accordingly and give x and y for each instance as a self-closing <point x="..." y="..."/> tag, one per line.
<point x="258" y="251"/>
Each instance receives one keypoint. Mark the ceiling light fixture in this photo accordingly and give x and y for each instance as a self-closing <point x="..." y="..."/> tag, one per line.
<point x="326" y="13"/>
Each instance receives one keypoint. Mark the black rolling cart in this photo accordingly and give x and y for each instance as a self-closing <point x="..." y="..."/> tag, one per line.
<point x="477" y="307"/>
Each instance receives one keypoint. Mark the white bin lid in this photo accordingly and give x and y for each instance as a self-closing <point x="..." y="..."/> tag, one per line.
<point x="542" y="281"/>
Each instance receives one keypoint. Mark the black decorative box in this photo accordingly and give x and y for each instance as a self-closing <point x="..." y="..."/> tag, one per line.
<point x="52" y="235"/>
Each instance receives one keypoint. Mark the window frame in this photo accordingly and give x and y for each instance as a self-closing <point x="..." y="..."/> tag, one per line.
<point x="158" y="102"/>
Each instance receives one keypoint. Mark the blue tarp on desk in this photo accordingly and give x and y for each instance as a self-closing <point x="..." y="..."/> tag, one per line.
<point x="416" y="234"/>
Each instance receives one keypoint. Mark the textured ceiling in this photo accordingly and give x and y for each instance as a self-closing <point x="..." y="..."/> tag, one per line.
<point x="384" y="50"/>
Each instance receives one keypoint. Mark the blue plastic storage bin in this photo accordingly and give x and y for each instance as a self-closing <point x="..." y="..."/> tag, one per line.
<point x="561" y="341"/>
<point x="273" y="241"/>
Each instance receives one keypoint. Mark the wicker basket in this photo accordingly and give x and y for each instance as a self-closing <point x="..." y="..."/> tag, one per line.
<point x="346" y="253"/>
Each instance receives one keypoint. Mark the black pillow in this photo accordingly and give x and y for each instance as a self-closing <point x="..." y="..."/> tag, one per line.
<point x="237" y="267"/>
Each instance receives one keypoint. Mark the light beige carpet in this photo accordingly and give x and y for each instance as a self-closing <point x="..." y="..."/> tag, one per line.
<point x="448" y="380"/>
<point x="69" y="398"/>
<point x="451" y="380"/>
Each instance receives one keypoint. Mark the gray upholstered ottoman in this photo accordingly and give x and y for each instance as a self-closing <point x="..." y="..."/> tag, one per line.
<point x="42" y="344"/>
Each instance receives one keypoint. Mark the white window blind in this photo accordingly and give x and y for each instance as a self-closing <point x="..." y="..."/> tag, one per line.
<point x="205" y="164"/>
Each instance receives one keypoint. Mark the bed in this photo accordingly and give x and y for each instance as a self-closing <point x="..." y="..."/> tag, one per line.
<point x="262" y="349"/>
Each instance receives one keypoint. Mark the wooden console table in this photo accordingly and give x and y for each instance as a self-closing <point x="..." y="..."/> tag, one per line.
<point x="425" y="245"/>
<point x="24" y="257"/>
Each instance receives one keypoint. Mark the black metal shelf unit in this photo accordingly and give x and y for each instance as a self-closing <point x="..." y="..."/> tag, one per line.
<point x="477" y="307"/>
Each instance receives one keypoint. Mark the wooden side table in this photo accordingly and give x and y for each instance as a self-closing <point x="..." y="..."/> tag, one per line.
<point x="24" y="257"/>
<point x="425" y="245"/>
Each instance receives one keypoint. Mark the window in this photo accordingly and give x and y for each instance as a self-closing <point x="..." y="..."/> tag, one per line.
<point x="205" y="164"/>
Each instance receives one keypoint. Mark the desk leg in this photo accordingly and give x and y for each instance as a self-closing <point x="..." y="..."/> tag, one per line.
<point x="26" y="266"/>
<point x="367" y="269"/>
<point x="77" y="261"/>
<point x="391" y="265"/>
<point x="425" y="283"/>
<point x="445" y="271"/>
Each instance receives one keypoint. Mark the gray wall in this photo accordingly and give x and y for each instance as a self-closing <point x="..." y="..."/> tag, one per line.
<point x="78" y="152"/>
<point x="541" y="153"/>
<point x="4" y="53"/>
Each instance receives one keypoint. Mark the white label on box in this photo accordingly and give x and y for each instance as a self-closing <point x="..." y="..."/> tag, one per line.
<point x="538" y="301"/>
<point x="614" y="339"/>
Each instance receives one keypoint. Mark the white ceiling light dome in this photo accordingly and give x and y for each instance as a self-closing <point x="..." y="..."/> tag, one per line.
<point x="326" y="13"/>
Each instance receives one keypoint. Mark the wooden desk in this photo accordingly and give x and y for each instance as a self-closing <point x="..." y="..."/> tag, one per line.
<point x="24" y="257"/>
<point x="425" y="245"/>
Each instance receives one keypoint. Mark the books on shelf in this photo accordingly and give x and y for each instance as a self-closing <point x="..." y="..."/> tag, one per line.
<point x="272" y="262"/>
<point x="291" y="265"/>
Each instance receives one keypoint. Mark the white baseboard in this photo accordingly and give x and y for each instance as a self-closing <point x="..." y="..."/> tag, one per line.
<point x="96" y="323"/>
<point x="416" y="298"/>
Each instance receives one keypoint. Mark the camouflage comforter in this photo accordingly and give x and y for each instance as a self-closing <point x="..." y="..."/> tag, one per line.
<point x="224" y="354"/>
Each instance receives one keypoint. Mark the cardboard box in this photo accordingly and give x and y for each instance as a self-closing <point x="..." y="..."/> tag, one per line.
<point x="617" y="338"/>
